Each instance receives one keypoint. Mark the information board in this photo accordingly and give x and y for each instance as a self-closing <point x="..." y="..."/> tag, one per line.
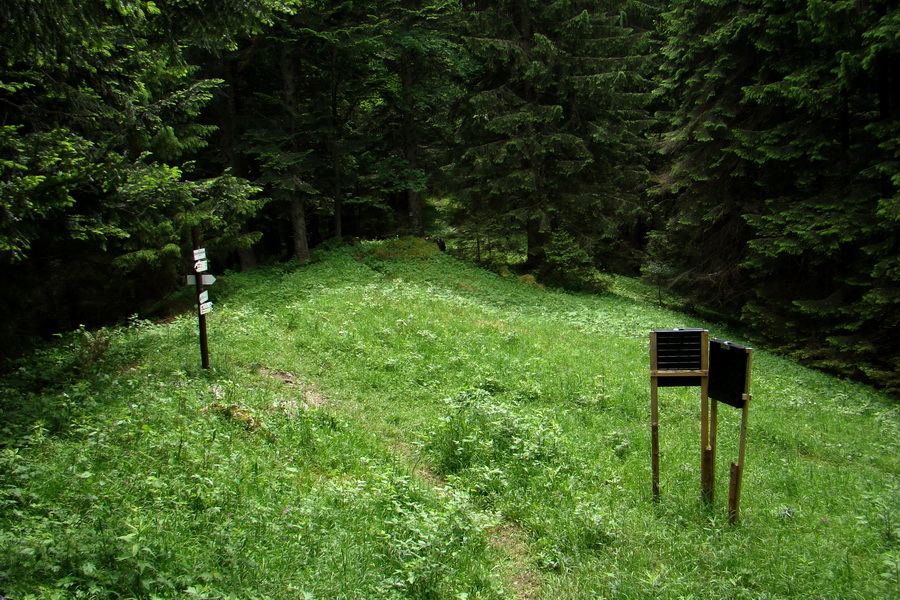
<point x="729" y="372"/>
<point x="678" y="350"/>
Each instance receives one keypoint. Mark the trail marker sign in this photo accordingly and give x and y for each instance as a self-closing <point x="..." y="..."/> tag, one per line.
<point x="205" y="279"/>
<point x="204" y="306"/>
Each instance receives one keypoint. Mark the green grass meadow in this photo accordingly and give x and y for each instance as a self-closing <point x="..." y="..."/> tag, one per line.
<point x="392" y="422"/>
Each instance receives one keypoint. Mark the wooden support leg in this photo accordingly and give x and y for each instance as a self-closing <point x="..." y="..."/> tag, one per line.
<point x="707" y="441"/>
<point x="734" y="493"/>
<point x="654" y="436"/>
<point x="708" y="467"/>
<point x="710" y="456"/>
<point x="737" y="469"/>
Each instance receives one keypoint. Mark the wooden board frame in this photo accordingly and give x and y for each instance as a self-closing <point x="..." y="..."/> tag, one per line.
<point x="688" y="357"/>
<point x="680" y="357"/>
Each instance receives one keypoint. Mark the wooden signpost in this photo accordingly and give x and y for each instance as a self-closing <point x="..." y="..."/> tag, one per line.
<point x="204" y="306"/>
<point x="687" y="357"/>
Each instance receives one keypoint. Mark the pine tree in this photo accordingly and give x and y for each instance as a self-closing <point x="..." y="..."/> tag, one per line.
<point x="774" y="196"/>
<point x="317" y="75"/>
<point x="422" y="64"/>
<point x="549" y="137"/>
<point x="99" y="110"/>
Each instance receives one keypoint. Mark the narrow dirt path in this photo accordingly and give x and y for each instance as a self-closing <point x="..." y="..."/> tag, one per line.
<point x="510" y="541"/>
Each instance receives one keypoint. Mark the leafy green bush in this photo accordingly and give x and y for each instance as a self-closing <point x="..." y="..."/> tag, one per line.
<point x="489" y="449"/>
<point x="569" y="265"/>
<point x="405" y="248"/>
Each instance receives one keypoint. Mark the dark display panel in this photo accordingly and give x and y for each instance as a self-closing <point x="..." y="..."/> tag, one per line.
<point x="728" y="372"/>
<point x="679" y="350"/>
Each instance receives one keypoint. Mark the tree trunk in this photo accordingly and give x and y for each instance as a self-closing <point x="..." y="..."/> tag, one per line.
<point x="298" y="224"/>
<point x="298" y="210"/>
<point x="410" y="145"/>
<point x="338" y="200"/>
<point x="537" y="238"/>
<point x="227" y="142"/>
<point x="416" y="217"/>
<point x="246" y="255"/>
<point x="526" y="41"/>
<point x="336" y="130"/>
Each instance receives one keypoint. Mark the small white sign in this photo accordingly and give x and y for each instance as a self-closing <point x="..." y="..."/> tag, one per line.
<point x="206" y="307"/>
<point x="199" y="253"/>
<point x="204" y="297"/>
<point x="206" y="279"/>
<point x="200" y="266"/>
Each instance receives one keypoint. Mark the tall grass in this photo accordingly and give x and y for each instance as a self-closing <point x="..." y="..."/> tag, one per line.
<point x="389" y="422"/>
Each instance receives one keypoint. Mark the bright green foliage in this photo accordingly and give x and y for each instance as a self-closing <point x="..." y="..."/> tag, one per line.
<point x="96" y="118"/>
<point x="781" y="171"/>
<point x="549" y="129"/>
<point x="99" y="114"/>
<point x="37" y="171"/>
<point x="487" y="449"/>
<point x="406" y="248"/>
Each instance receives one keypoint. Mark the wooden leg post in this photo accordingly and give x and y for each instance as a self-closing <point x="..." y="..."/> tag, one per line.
<point x="707" y="439"/>
<point x="734" y="493"/>
<point x="737" y="469"/>
<point x="654" y="435"/>
<point x="711" y="451"/>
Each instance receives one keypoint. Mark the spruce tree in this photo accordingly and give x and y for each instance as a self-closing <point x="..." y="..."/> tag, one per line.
<point x="314" y="84"/>
<point x="99" y="109"/>
<point x="422" y="62"/>
<point x="549" y="141"/>
<point x="780" y="167"/>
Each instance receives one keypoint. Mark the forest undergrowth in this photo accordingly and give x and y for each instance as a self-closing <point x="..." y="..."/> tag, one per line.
<point x="392" y="422"/>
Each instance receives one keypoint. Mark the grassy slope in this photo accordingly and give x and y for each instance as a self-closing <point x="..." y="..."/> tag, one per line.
<point x="426" y="429"/>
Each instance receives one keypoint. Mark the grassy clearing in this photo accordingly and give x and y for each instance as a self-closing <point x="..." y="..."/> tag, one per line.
<point x="388" y="422"/>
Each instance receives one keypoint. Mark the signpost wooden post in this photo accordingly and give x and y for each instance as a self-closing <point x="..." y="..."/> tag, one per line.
<point x="203" y="304"/>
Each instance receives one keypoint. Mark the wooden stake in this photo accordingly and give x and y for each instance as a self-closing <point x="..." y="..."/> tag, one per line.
<point x="709" y="455"/>
<point x="654" y="435"/>
<point x="734" y="493"/>
<point x="707" y="470"/>
<point x="707" y="438"/>
<point x="737" y="469"/>
<point x="654" y="419"/>
<point x="745" y="415"/>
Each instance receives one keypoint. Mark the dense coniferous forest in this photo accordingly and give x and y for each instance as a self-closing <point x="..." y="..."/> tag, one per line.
<point x="745" y="155"/>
